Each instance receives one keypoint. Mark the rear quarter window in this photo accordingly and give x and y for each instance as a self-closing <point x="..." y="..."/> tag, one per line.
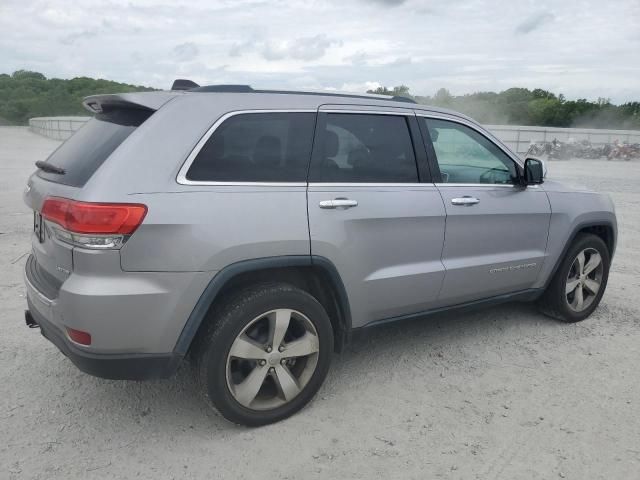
<point x="257" y="147"/>
<point x="91" y="145"/>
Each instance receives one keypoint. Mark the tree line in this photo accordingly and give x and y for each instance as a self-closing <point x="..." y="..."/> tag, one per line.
<point x="521" y="106"/>
<point x="25" y="94"/>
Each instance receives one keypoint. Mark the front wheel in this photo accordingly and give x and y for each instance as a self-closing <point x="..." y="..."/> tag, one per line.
<point x="265" y="354"/>
<point x="580" y="281"/>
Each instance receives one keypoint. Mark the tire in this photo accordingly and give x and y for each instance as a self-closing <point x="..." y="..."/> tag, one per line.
<point x="247" y="323"/>
<point x="559" y="300"/>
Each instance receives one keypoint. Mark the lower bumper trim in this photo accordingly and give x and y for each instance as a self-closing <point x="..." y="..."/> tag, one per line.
<point x="140" y="366"/>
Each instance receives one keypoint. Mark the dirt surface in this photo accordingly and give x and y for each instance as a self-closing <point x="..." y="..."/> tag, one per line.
<point x="504" y="393"/>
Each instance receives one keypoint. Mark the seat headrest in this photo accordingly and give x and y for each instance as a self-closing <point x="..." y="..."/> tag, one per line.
<point x="331" y="144"/>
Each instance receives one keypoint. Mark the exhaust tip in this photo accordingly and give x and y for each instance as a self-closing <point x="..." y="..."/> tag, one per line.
<point x="30" y="321"/>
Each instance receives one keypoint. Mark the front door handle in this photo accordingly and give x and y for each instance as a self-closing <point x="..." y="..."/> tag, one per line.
<point x="339" y="203"/>
<point x="465" y="201"/>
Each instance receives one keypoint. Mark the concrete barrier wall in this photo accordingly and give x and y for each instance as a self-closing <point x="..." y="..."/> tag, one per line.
<point x="517" y="137"/>
<point x="59" y="128"/>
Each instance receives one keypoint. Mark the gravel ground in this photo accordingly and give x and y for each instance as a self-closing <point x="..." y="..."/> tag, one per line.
<point x="500" y="393"/>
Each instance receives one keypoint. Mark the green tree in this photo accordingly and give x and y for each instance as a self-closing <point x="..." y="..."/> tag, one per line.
<point x="26" y="94"/>
<point x="399" y="91"/>
<point x="27" y="74"/>
<point x="443" y="98"/>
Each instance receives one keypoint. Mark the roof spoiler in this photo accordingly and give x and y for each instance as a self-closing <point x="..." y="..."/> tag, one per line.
<point x="139" y="100"/>
<point x="183" y="84"/>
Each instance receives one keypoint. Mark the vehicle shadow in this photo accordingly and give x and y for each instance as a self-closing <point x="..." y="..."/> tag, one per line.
<point x="442" y="328"/>
<point x="178" y="404"/>
<point x="441" y="332"/>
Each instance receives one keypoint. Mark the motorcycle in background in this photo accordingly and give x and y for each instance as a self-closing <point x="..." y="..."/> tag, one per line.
<point x="559" y="150"/>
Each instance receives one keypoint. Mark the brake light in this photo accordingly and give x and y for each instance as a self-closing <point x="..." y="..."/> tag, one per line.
<point x="93" y="225"/>
<point x="94" y="218"/>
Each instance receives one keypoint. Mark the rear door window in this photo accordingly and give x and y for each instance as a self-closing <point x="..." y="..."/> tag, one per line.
<point x="364" y="148"/>
<point x="257" y="147"/>
<point x="89" y="147"/>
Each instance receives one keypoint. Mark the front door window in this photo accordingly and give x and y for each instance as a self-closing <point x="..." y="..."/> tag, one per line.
<point x="466" y="156"/>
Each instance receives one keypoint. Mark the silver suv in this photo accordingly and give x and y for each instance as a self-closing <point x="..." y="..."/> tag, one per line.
<point x="253" y="231"/>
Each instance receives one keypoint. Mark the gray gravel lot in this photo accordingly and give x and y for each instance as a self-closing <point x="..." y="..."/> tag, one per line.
<point x="499" y="393"/>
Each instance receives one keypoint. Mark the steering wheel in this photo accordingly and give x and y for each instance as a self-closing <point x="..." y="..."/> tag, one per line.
<point x="495" y="175"/>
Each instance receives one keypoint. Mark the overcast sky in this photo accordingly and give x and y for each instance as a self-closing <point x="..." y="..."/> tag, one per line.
<point x="582" y="48"/>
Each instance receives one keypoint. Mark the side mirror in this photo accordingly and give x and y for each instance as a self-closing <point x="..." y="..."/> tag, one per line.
<point x="534" y="171"/>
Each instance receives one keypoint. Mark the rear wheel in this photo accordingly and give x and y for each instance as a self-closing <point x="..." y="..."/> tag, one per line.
<point x="265" y="354"/>
<point x="577" y="287"/>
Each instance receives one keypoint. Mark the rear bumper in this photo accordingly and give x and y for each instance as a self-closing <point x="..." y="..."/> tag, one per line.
<point x="125" y="312"/>
<point x="111" y="366"/>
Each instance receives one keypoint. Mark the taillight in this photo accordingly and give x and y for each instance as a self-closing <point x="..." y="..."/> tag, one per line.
<point x="78" y="336"/>
<point x="93" y="225"/>
<point x="98" y="218"/>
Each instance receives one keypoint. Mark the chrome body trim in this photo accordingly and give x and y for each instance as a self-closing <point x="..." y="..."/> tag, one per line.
<point x="365" y="111"/>
<point x="484" y="185"/>
<point x="465" y="201"/>
<point x="338" y="203"/>
<point x="182" y="173"/>
<point x="364" y="184"/>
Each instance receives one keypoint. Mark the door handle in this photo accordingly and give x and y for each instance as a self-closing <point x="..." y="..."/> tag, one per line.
<point x="465" y="201"/>
<point x="338" y="203"/>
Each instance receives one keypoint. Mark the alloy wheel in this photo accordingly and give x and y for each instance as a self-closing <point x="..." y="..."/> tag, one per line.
<point x="272" y="359"/>
<point x="584" y="279"/>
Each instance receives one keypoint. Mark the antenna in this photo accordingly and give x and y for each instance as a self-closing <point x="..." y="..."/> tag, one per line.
<point x="183" y="84"/>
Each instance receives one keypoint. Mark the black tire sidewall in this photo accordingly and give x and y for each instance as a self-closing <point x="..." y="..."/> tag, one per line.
<point x="232" y="320"/>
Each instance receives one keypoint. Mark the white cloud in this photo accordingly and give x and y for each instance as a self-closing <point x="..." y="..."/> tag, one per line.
<point x="574" y="46"/>
<point x="534" y="22"/>
<point x="304" y="48"/>
<point x="360" y="87"/>
<point x="74" y="37"/>
<point x="186" y="52"/>
<point x="359" y="58"/>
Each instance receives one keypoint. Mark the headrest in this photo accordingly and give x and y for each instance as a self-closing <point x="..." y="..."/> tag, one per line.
<point x="331" y="144"/>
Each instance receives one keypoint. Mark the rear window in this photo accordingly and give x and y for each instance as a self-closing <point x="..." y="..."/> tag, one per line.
<point x="257" y="147"/>
<point x="89" y="147"/>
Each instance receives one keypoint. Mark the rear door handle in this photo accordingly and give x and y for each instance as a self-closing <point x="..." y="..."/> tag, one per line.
<point x="465" y="201"/>
<point x="338" y="203"/>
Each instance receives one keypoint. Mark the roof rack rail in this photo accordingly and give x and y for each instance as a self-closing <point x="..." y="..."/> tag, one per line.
<point x="248" y="89"/>
<point x="399" y="98"/>
<point x="224" y="88"/>
<point x="329" y="93"/>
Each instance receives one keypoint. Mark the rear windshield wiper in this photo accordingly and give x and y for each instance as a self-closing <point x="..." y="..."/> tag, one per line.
<point x="47" y="167"/>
